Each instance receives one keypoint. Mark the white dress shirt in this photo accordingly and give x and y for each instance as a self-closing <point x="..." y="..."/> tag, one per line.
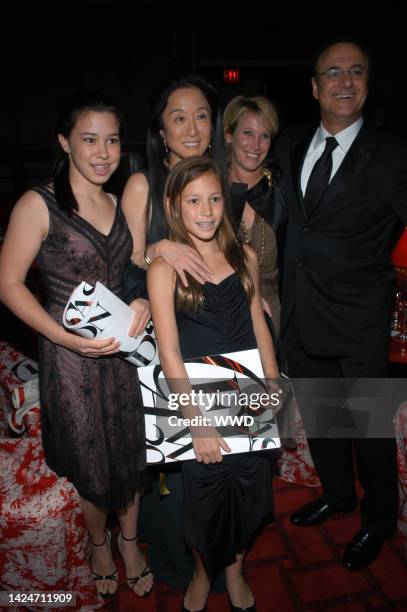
<point x="344" y="139"/>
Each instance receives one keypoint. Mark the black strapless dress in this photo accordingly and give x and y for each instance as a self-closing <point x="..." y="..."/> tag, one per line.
<point x="224" y="503"/>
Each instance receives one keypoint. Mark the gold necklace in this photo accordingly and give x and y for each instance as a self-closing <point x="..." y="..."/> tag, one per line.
<point x="243" y="230"/>
<point x="269" y="176"/>
<point x="246" y="239"/>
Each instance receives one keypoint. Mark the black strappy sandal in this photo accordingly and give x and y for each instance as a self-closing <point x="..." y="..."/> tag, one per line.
<point x="132" y="581"/>
<point x="114" y="577"/>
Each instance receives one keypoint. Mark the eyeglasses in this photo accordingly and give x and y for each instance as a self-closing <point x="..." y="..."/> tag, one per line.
<point x="335" y="74"/>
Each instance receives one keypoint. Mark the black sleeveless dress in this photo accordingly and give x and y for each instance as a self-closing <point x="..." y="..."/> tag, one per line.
<point x="226" y="502"/>
<point x="91" y="409"/>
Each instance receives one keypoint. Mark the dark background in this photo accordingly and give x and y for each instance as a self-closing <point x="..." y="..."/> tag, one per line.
<point x="125" y="47"/>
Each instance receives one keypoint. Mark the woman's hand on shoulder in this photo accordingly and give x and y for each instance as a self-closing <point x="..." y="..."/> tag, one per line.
<point x="207" y="444"/>
<point x="142" y="315"/>
<point x="183" y="258"/>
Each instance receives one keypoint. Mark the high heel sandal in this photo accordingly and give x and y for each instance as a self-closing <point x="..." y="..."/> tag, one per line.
<point x="98" y="577"/>
<point x="132" y="581"/>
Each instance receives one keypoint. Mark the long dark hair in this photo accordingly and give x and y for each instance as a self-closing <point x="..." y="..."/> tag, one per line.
<point x="155" y="149"/>
<point x="184" y="172"/>
<point x="69" y="109"/>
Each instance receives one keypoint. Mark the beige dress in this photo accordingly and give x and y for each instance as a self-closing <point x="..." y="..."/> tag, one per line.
<point x="263" y="239"/>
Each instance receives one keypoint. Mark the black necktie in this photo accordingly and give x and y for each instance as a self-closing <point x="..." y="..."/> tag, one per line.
<point x="319" y="178"/>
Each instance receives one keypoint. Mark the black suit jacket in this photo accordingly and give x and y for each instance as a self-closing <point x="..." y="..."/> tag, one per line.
<point x="337" y="268"/>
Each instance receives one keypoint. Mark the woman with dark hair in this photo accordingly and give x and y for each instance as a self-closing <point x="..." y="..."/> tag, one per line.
<point x="91" y="408"/>
<point x="185" y="121"/>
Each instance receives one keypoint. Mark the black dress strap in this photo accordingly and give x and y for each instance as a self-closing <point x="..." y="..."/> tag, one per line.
<point x="268" y="201"/>
<point x="46" y="193"/>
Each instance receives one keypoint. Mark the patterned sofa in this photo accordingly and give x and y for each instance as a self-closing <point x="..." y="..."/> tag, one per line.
<point x="43" y="542"/>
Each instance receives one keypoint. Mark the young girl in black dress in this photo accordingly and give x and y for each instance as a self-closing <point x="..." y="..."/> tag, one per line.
<point x="226" y="498"/>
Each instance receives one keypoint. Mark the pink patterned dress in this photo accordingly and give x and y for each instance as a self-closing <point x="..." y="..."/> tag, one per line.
<point x="91" y="409"/>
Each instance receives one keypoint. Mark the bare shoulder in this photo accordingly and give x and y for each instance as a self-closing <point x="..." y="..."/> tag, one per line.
<point x="161" y="272"/>
<point x="30" y="199"/>
<point x="32" y="208"/>
<point x="135" y="194"/>
<point x="27" y="227"/>
<point x="137" y="184"/>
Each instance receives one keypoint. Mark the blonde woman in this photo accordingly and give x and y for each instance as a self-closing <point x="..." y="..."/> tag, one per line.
<point x="250" y="124"/>
<point x="257" y="198"/>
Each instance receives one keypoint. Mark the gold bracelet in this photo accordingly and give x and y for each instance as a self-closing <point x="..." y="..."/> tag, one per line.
<point x="147" y="258"/>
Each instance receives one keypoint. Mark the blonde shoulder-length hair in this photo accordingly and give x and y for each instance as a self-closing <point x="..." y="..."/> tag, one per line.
<point x="258" y="105"/>
<point x="184" y="172"/>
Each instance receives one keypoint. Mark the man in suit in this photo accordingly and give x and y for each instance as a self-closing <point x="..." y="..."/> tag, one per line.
<point x="344" y="213"/>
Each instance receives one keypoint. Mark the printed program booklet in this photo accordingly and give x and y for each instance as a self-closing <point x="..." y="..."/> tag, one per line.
<point x="231" y="394"/>
<point x="93" y="311"/>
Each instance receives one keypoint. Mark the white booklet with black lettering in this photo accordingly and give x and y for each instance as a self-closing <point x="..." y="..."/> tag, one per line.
<point x="230" y="393"/>
<point x="93" y="311"/>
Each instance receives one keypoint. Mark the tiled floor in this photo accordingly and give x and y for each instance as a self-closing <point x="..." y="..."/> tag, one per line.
<point x="299" y="570"/>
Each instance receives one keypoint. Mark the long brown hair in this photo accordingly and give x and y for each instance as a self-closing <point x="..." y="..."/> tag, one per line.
<point x="184" y="172"/>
